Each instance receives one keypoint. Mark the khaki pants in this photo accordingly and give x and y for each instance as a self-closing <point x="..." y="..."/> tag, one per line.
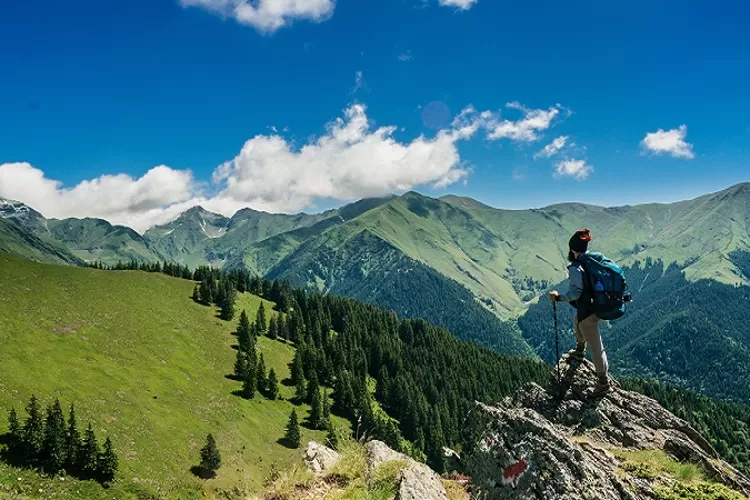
<point x="587" y="332"/>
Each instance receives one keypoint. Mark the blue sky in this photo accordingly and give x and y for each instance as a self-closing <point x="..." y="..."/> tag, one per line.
<point x="133" y="110"/>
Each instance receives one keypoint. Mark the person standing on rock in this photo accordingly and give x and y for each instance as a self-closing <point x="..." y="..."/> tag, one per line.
<point x="585" y="322"/>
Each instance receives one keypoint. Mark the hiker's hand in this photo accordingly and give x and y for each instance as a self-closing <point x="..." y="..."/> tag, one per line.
<point x="554" y="295"/>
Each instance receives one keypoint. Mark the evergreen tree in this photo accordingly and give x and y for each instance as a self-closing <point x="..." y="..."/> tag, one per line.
<point x="240" y="365"/>
<point x="298" y="372"/>
<point x="260" y="319"/>
<point x="260" y="375"/>
<point x="300" y="391"/>
<point x="312" y="387"/>
<point x="210" y="457"/>
<point x="244" y="332"/>
<point x="249" y="385"/>
<point x="33" y="432"/>
<point x="227" y="299"/>
<point x="53" y="447"/>
<point x="316" y="411"/>
<point x="15" y="431"/>
<point x="272" y="385"/>
<point x="326" y="406"/>
<point x="273" y="331"/>
<point x="283" y="327"/>
<point x="292" y="436"/>
<point x="72" y="442"/>
<point x="88" y="463"/>
<point x="332" y="436"/>
<point x="196" y="293"/>
<point x="108" y="462"/>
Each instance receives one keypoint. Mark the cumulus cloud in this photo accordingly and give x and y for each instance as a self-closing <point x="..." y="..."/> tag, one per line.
<point x="267" y="16"/>
<point x="525" y="129"/>
<point x="578" y="169"/>
<point x="460" y="4"/>
<point x="350" y="160"/>
<point x="552" y="148"/>
<point x="155" y="197"/>
<point x="670" y="142"/>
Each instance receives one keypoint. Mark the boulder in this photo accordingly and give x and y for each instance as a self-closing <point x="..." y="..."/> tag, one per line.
<point x="559" y="442"/>
<point x="320" y="458"/>
<point x="417" y="482"/>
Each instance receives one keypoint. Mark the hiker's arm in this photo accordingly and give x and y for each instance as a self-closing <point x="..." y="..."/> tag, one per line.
<point x="575" y="286"/>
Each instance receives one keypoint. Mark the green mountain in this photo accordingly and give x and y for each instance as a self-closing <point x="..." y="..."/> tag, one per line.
<point x="16" y="241"/>
<point x="88" y="239"/>
<point x="98" y="240"/>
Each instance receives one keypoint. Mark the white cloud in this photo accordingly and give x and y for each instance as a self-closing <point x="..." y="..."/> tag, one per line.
<point x="406" y="56"/>
<point x="267" y="16"/>
<point x="669" y="142"/>
<point x="578" y="169"/>
<point x="525" y="129"/>
<point x="359" y="82"/>
<point x="460" y="4"/>
<point x="552" y="148"/>
<point x="140" y="203"/>
<point x="350" y="160"/>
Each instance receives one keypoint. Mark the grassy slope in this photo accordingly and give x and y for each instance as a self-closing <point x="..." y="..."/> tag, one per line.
<point x="145" y="365"/>
<point x="23" y="244"/>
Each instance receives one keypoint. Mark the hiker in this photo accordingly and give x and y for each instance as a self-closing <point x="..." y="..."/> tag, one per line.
<point x="586" y="321"/>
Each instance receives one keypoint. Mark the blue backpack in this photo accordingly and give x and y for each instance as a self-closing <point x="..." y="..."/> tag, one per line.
<point x="606" y="284"/>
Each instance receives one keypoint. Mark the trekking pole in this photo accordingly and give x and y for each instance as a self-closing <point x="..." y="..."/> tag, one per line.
<point x="557" y="340"/>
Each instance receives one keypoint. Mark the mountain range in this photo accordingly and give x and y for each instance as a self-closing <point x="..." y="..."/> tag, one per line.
<point x="461" y="264"/>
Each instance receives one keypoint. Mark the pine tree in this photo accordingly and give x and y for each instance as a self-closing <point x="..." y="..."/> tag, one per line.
<point x="272" y="385"/>
<point x="249" y="381"/>
<point x="292" y="436"/>
<point x="283" y="327"/>
<point x="72" y="443"/>
<point x="260" y="375"/>
<point x="244" y="332"/>
<point x="108" y="462"/>
<point x="273" y="331"/>
<point x="316" y="411"/>
<point x="33" y="432"/>
<point x="312" y="388"/>
<point x="240" y="365"/>
<point x="196" y="293"/>
<point x="298" y="372"/>
<point x="88" y="463"/>
<point x="53" y="447"/>
<point x="332" y="436"/>
<point x="260" y="319"/>
<point x="300" y="391"/>
<point x="15" y="431"/>
<point x="210" y="457"/>
<point x="227" y="299"/>
<point x="326" y="406"/>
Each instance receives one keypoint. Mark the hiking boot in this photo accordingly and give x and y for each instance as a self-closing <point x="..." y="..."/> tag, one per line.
<point x="578" y="353"/>
<point x="602" y="387"/>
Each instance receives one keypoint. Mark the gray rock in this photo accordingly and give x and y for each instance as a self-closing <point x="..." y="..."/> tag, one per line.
<point x="417" y="482"/>
<point x="319" y="458"/>
<point x="564" y="436"/>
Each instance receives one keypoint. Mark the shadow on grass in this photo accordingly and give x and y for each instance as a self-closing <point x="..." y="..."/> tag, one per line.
<point x="287" y="444"/>
<point x="287" y="382"/>
<point x="234" y="377"/>
<point x="203" y="474"/>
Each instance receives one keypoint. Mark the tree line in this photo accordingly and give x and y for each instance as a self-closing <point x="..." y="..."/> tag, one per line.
<point x="51" y="444"/>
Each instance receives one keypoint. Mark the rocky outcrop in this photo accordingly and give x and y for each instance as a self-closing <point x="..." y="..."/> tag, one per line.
<point x="418" y="482"/>
<point x="320" y="458"/>
<point x="561" y="443"/>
